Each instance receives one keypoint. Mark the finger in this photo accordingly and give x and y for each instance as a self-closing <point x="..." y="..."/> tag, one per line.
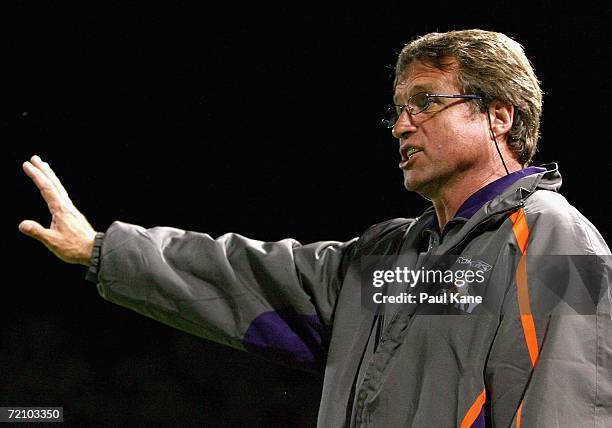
<point x="48" y="191"/>
<point x="34" y="230"/>
<point x="50" y="174"/>
<point x="37" y="231"/>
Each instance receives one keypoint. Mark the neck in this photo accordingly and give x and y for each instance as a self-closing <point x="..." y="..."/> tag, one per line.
<point x="448" y="201"/>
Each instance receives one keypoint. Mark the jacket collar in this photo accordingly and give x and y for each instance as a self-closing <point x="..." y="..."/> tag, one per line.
<point x="502" y="194"/>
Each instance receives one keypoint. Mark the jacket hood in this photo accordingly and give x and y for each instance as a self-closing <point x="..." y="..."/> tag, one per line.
<point x="549" y="180"/>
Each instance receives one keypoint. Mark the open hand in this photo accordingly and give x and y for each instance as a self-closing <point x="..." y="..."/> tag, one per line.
<point x="70" y="236"/>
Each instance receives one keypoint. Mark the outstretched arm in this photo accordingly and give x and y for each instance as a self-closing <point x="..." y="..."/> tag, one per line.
<point x="70" y="236"/>
<point x="276" y="299"/>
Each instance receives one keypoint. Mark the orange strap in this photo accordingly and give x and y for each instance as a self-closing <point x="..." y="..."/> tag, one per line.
<point x="518" y="415"/>
<point x="472" y="414"/>
<point x="521" y="233"/>
<point x="520" y="229"/>
<point x="525" y="310"/>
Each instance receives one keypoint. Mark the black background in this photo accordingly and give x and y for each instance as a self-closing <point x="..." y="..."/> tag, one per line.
<point x="258" y="120"/>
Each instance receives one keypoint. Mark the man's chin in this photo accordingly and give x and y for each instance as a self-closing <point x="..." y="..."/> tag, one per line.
<point x="414" y="184"/>
<point x="411" y="183"/>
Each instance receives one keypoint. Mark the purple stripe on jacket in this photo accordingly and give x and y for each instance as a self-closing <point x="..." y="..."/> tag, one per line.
<point x="289" y="338"/>
<point x="480" y="420"/>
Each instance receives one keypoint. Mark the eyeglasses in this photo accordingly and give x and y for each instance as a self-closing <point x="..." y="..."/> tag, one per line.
<point x="418" y="103"/>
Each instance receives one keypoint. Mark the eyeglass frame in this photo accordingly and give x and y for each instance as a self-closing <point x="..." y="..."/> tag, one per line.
<point x="427" y="95"/>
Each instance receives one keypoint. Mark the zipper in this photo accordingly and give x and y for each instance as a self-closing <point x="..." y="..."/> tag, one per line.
<point x="380" y="329"/>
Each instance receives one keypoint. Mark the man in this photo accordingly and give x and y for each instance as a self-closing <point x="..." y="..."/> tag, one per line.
<point x="466" y="114"/>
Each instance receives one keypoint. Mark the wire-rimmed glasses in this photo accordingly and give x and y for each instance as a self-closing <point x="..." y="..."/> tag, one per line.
<point x="418" y="103"/>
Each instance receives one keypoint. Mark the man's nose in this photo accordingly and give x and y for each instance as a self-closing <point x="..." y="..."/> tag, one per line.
<point x="404" y="125"/>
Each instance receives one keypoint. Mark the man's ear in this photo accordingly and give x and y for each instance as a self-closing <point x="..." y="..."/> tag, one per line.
<point x="502" y="117"/>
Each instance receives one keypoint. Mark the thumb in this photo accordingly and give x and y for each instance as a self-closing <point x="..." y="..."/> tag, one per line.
<point x="32" y="229"/>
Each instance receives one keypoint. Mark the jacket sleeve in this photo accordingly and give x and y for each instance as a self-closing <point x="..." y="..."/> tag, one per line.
<point x="551" y="359"/>
<point x="272" y="298"/>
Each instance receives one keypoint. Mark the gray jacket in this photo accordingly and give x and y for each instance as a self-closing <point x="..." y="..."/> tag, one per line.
<point x="506" y="363"/>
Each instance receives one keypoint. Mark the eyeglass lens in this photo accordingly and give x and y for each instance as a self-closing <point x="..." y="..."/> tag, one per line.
<point x="417" y="103"/>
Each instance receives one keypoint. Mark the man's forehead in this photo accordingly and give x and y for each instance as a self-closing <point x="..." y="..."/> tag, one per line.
<point x="406" y="86"/>
<point x="422" y="77"/>
<point x="405" y="90"/>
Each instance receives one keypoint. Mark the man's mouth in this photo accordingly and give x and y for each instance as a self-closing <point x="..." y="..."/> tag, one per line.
<point x="411" y="151"/>
<point x="407" y="155"/>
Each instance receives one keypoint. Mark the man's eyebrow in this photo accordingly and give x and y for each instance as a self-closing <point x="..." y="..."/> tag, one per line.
<point x="413" y="90"/>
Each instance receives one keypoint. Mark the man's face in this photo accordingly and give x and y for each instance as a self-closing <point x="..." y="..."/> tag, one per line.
<point x="444" y="144"/>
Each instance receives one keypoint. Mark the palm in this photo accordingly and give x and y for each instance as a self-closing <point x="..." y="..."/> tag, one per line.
<point x="69" y="236"/>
